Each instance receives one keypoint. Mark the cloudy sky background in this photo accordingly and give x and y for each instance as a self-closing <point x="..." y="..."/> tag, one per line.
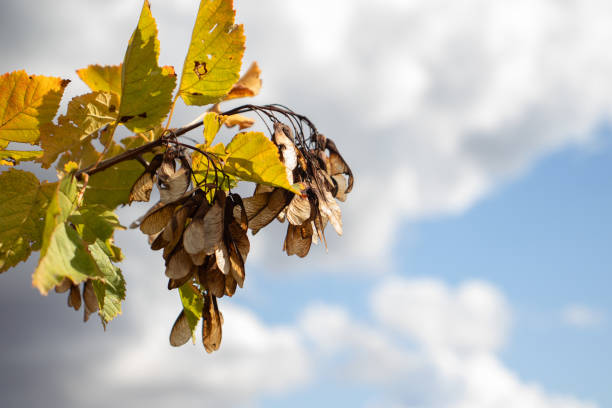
<point x="474" y="269"/>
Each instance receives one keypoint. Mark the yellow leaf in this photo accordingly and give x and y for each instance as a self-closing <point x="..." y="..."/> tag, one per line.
<point x="253" y="157"/>
<point x="146" y="88"/>
<point x="248" y="85"/>
<point x="87" y="115"/>
<point x="212" y="124"/>
<point x="212" y="64"/>
<point x="26" y="103"/>
<point x="23" y="204"/>
<point x="12" y="157"/>
<point x="102" y="78"/>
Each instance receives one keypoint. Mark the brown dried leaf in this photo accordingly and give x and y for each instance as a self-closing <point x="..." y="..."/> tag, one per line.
<point x="248" y="85"/>
<point x="181" y="332"/>
<point x="179" y="264"/>
<point x="243" y="122"/>
<point x="298" y="239"/>
<point x="211" y="324"/>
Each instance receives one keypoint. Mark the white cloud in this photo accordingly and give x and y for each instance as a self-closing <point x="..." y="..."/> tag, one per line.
<point x="582" y="316"/>
<point x="446" y="355"/>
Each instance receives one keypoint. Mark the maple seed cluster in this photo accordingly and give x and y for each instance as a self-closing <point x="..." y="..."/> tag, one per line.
<point x="203" y="230"/>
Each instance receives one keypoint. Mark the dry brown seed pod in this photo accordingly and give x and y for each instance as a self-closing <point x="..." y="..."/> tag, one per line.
<point x="283" y="138"/>
<point x="89" y="299"/>
<point x="141" y="190"/>
<point x="262" y="209"/>
<point x="222" y="257"/>
<point x="213" y="280"/>
<point x="341" y="187"/>
<point x="156" y="220"/>
<point x="298" y="239"/>
<point x="236" y="265"/>
<point x="181" y="332"/>
<point x="211" y="324"/>
<point x="172" y="187"/>
<point x="298" y="210"/>
<point x="230" y="285"/>
<point x="213" y="225"/>
<point x="177" y="283"/>
<point x="74" y="297"/>
<point x="179" y="264"/>
<point x="63" y="286"/>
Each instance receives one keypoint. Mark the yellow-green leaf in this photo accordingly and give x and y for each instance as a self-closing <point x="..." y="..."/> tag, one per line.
<point x="23" y="204"/>
<point x="110" y="288"/>
<point x="253" y="157"/>
<point x="193" y="302"/>
<point x="12" y="157"/>
<point x="26" y="103"/>
<point x="212" y="124"/>
<point x="212" y="64"/>
<point x="146" y="88"/>
<point x="102" y="78"/>
<point x="63" y="253"/>
<point x="87" y="115"/>
<point x="204" y="172"/>
<point x="112" y="186"/>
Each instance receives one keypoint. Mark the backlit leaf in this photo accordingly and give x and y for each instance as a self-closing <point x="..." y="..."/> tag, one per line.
<point x="212" y="64"/>
<point x="193" y="302"/>
<point x="23" y="204"/>
<point x="63" y="252"/>
<point x="102" y="78"/>
<point x="26" y="103"/>
<point x="146" y="88"/>
<point x="253" y="157"/>
<point x="13" y="157"/>
<point x="110" y="286"/>
<point x="87" y="115"/>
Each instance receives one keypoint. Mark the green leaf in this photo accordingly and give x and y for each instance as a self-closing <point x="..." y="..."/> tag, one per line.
<point x="146" y="88"/>
<point x="112" y="186"/>
<point x="212" y="64"/>
<point x="12" y="157"/>
<point x="63" y="252"/>
<point x="26" y="103"/>
<point x="193" y="302"/>
<point x="85" y="119"/>
<point x="110" y="290"/>
<point x="102" y="78"/>
<point x="253" y="157"/>
<point x="23" y="204"/>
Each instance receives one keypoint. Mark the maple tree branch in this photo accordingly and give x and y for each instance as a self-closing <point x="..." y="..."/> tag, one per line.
<point x="174" y="133"/>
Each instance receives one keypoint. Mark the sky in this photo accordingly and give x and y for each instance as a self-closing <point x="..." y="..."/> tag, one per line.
<point x="474" y="267"/>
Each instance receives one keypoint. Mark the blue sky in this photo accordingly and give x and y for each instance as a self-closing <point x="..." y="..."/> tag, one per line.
<point x="474" y="267"/>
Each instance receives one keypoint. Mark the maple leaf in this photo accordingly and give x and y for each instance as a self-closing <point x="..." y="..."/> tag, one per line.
<point x="26" y="103"/>
<point x="102" y="78"/>
<point x="146" y="88"/>
<point x="23" y="204"/>
<point x="212" y="64"/>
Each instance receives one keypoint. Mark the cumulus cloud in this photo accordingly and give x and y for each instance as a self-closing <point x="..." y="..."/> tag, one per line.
<point x="582" y="316"/>
<point x="446" y="354"/>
